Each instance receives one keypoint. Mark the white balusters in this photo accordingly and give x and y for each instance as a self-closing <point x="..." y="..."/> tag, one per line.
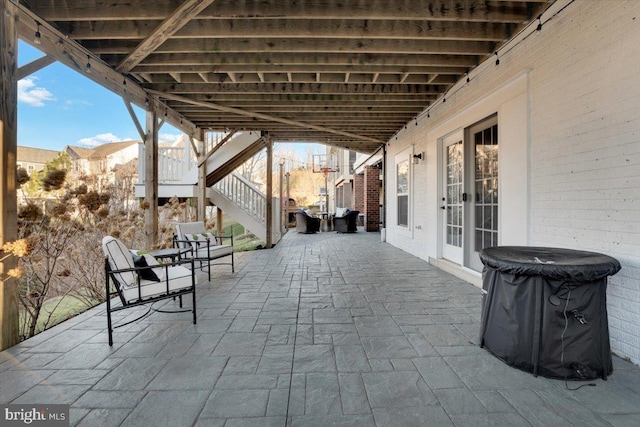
<point x="243" y="194"/>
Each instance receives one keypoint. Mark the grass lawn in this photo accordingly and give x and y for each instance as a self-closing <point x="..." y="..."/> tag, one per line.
<point x="68" y="307"/>
<point x="242" y="240"/>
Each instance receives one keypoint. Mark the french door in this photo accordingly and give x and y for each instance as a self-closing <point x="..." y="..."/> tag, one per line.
<point x="470" y="193"/>
<point x="452" y="198"/>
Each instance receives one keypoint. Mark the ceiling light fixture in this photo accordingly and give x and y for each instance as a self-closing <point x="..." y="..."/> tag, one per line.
<point x="37" y="40"/>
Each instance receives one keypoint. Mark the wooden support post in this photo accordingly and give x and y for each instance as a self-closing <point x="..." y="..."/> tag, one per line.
<point x="269" y="167"/>
<point x="219" y="226"/>
<point x="203" y="200"/>
<point x="9" y="330"/>
<point x="281" y="191"/>
<point x="151" y="176"/>
<point x="287" y="175"/>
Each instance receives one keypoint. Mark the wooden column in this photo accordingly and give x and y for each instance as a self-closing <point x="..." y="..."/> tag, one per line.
<point x="203" y="200"/>
<point x="9" y="330"/>
<point x="282" y="203"/>
<point x="151" y="176"/>
<point x="269" y="207"/>
<point x="219" y="226"/>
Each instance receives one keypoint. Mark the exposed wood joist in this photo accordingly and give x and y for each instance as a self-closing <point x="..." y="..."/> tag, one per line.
<point x="181" y="16"/>
<point x="297" y="88"/>
<point x="492" y="11"/>
<point x="265" y="117"/>
<point x="304" y="78"/>
<point x="295" y="28"/>
<point x="284" y="45"/>
<point x="294" y="59"/>
<point x="361" y="68"/>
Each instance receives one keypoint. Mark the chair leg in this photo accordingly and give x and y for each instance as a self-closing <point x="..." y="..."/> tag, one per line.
<point x="194" y="306"/>
<point x="109" y="326"/>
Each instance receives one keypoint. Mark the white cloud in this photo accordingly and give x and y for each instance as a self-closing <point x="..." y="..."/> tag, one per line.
<point x="171" y="138"/>
<point x="70" y="103"/>
<point x="32" y="95"/>
<point x="103" y="138"/>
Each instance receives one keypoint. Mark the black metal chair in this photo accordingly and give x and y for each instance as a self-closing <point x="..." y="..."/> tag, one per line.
<point x="135" y="287"/>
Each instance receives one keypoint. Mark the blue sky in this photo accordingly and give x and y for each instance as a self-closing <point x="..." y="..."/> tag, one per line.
<point x="58" y="106"/>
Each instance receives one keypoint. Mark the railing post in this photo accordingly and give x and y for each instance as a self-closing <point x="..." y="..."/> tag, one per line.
<point x="269" y="201"/>
<point x="9" y="317"/>
<point x="151" y="176"/>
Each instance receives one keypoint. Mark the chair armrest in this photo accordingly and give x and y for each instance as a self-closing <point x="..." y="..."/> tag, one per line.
<point x="164" y="265"/>
<point x="225" y="236"/>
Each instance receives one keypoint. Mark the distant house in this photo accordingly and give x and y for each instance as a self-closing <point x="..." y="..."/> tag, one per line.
<point x="104" y="160"/>
<point x="34" y="159"/>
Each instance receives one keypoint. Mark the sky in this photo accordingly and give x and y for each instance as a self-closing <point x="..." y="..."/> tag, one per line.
<point x="58" y="106"/>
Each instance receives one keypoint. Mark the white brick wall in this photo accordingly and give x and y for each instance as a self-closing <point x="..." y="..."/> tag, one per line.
<point x="584" y="145"/>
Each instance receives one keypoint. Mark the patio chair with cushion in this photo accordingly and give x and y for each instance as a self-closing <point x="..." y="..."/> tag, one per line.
<point x="306" y="224"/>
<point x="206" y="246"/>
<point x="140" y="280"/>
<point x="346" y="221"/>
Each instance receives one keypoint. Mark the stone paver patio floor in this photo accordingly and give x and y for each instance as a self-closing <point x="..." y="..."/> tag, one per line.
<point x="324" y="329"/>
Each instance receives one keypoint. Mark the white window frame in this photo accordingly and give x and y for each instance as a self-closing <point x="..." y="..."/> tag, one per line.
<point x="400" y="159"/>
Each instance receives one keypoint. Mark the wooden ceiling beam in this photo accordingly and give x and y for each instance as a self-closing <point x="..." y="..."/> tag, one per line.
<point x="492" y="10"/>
<point x="287" y="45"/>
<point x="301" y="68"/>
<point x="266" y="117"/>
<point x="293" y="59"/>
<point x="179" y="18"/>
<point x="251" y="78"/>
<point x="293" y="28"/>
<point x="293" y="98"/>
<point x="295" y="88"/>
<point x="194" y="110"/>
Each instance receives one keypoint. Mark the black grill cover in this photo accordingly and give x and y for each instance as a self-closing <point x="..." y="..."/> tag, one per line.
<point x="531" y="294"/>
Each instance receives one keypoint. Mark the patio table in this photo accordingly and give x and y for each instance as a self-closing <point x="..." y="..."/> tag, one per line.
<point x="173" y="254"/>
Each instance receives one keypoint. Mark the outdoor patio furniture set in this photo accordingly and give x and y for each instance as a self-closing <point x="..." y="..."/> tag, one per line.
<point x="344" y="221"/>
<point x="141" y="277"/>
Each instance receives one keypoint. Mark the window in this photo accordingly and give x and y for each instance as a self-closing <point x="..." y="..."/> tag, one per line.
<point x="352" y="160"/>
<point x="485" y="141"/>
<point x="30" y="169"/>
<point x="402" y="192"/>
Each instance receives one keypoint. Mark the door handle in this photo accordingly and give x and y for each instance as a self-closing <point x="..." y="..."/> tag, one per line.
<point x="464" y="197"/>
<point x="443" y="207"/>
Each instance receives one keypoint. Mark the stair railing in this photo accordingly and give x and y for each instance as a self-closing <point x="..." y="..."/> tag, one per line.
<point x="244" y="194"/>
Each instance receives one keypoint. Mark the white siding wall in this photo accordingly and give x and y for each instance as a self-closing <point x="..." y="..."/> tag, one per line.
<point x="575" y="153"/>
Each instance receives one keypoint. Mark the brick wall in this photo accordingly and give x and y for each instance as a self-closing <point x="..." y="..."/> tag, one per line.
<point x="371" y="198"/>
<point x="358" y="193"/>
<point x="347" y="194"/>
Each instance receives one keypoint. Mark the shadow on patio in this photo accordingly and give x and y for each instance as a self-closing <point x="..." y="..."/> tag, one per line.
<point x="327" y="329"/>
